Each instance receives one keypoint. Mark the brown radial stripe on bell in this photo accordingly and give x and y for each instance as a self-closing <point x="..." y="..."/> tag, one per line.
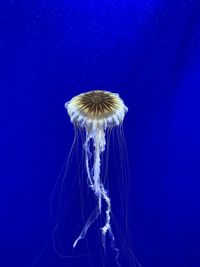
<point x="97" y="102"/>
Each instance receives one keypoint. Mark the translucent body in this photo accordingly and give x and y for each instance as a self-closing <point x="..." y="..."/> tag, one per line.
<point x="95" y="112"/>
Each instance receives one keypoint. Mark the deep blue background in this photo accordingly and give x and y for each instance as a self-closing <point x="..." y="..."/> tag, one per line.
<point x="148" y="52"/>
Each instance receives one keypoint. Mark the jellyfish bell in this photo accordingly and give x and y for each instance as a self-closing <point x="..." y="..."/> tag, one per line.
<point x="97" y="108"/>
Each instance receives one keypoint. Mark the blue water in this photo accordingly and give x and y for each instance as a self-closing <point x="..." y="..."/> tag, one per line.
<point x="148" y="52"/>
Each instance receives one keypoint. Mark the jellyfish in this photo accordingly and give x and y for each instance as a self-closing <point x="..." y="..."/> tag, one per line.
<point x="95" y="115"/>
<point x="95" y="112"/>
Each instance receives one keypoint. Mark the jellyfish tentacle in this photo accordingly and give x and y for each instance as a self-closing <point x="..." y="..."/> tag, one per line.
<point x="94" y="181"/>
<point x="88" y="155"/>
<point x="93" y="216"/>
<point x="98" y="137"/>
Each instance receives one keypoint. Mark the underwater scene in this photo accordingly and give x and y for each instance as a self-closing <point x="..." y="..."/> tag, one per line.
<point x="100" y="133"/>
